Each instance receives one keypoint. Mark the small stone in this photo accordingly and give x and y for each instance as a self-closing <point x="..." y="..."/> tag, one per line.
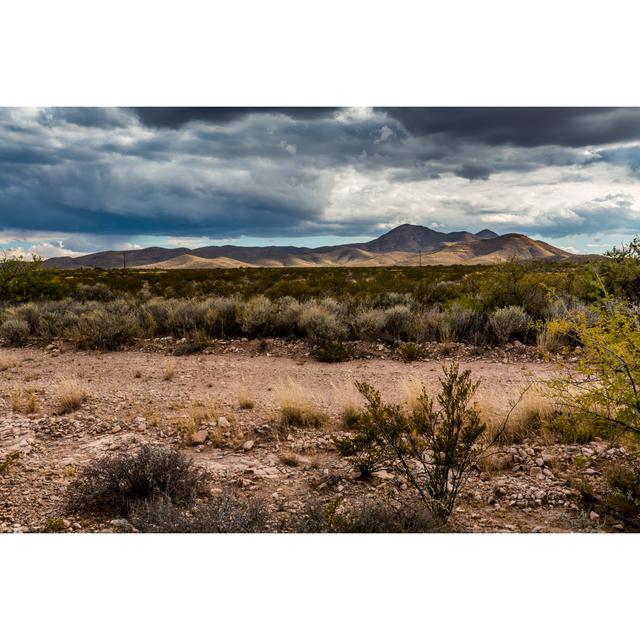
<point x="121" y="523"/>
<point x="223" y="422"/>
<point x="199" y="437"/>
<point x="248" y="445"/>
<point x="594" y="517"/>
<point x="540" y="462"/>
<point x="116" y="429"/>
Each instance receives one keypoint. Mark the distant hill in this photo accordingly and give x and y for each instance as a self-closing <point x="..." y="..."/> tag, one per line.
<point x="405" y="245"/>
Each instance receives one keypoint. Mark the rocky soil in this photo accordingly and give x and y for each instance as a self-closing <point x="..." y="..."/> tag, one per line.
<point x="149" y="395"/>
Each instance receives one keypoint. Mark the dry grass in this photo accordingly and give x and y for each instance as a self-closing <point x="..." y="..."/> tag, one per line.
<point x="351" y="403"/>
<point x="245" y="400"/>
<point x="494" y="461"/>
<point x="410" y="389"/>
<point x="168" y="372"/>
<point x="531" y="413"/>
<point x="24" y="400"/>
<point x="297" y="408"/>
<point x="70" y="395"/>
<point x="548" y="341"/>
<point x="6" y="363"/>
<point x="199" y="417"/>
<point x="290" y="459"/>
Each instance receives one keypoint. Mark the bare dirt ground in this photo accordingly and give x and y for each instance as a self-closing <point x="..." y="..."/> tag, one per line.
<point x="145" y="396"/>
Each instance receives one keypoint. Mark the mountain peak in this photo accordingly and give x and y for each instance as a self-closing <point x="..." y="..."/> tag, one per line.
<point x="486" y="234"/>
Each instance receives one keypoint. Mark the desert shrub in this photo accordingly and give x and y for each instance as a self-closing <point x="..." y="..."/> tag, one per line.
<point x="621" y="273"/>
<point x="369" y="517"/>
<point x="286" y="316"/>
<point x="226" y="513"/>
<point x="292" y="415"/>
<point x="186" y="317"/>
<point x="398" y="322"/>
<point x="369" y="323"/>
<point x="113" y="484"/>
<point x="24" y="400"/>
<point x="334" y="351"/>
<point x="224" y="316"/>
<point x="70" y="395"/>
<point x="98" y="291"/>
<point x="393" y="298"/>
<point x="464" y="324"/>
<point x="508" y="323"/>
<point x="320" y="323"/>
<point x="154" y="317"/>
<point x="257" y="317"/>
<point x="54" y="525"/>
<point x="106" y="328"/>
<point x="57" y="319"/>
<point x="431" y="326"/>
<point x="432" y="449"/>
<point x="15" y="331"/>
<point x="607" y="383"/>
<point x="410" y="351"/>
<point x="548" y="340"/>
<point x="194" y="342"/>
<point x="31" y="314"/>
<point x="362" y="445"/>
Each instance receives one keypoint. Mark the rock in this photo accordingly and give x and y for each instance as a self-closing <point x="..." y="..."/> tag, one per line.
<point x="199" y="437"/>
<point x="122" y="523"/>
<point x="540" y="462"/>
<point x="383" y="475"/>
<point x="248" y="445"/>
<point x="223" y="422"/>
<point x="594" y="517"/>
<point x="116" y="429"/>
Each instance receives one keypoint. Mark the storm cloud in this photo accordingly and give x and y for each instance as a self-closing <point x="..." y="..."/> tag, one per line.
<point x="76" y="179"/>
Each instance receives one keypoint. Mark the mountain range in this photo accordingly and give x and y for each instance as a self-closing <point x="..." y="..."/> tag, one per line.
<point x="406" y="245"/>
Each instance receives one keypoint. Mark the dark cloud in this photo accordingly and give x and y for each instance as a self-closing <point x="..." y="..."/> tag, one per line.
<point x="305" y="171"/>
<point x="522" y="126"/>
<point x="176" y="117"/>
<point x="473" y="171"/>
<point x="102" y="118"/>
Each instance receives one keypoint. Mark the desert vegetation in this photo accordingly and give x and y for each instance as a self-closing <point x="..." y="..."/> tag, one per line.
<point x="409" y="434"/>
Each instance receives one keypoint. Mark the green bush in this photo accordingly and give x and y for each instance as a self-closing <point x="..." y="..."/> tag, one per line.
<point x="432" y="449"/>
<point x="334" y="351"/>
<point x="410" y="351"/>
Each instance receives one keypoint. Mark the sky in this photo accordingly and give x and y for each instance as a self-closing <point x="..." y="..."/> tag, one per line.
<point x="80" y="180"/>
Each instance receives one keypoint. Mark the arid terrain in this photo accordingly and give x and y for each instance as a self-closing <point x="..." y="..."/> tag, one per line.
<point x="228" y="400"/>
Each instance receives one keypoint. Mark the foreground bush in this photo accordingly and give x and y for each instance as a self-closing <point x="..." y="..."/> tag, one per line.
<point x="15" y="331"/>
<point x="607" y="384"/>
<point x="433" y="449"/>
<point x="114" y="484"/>
<point x="369" y="517"/>
<point x="227" y="513"/>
